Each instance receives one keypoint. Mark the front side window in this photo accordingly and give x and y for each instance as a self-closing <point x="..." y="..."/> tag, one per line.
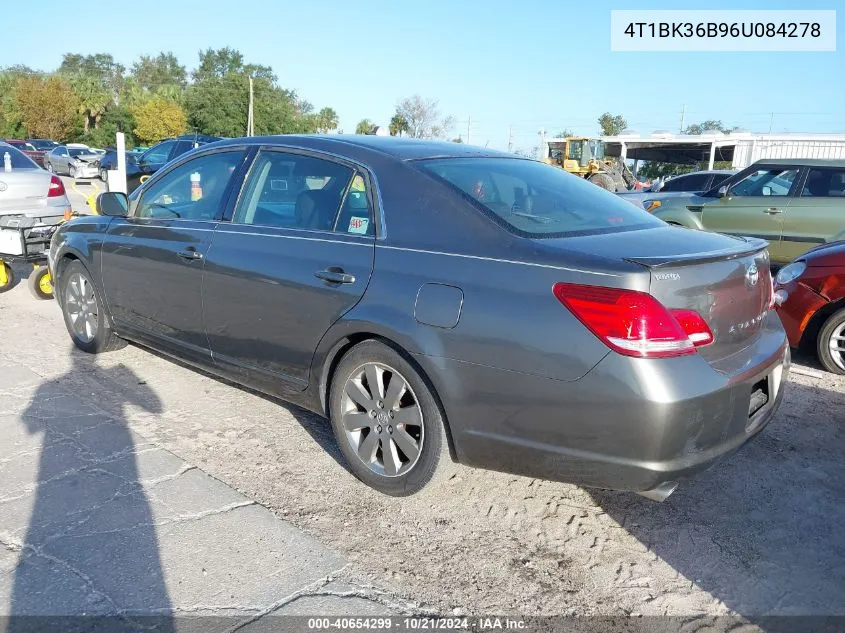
<point x="771" y="181"/>
<point x="60" y="151"/>
<point x="302" y="192"/>
<point x="194" y="190"/>
<point x="538" y="200"/>
<point x="824" y="183"/>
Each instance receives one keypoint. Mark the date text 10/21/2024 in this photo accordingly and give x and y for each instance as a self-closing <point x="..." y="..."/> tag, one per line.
<point x="416" y="623"/>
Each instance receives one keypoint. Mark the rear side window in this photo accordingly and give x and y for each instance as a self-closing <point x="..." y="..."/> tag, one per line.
<point x="824" y="183"/>
<point x="18" y="158"/>
<point x="303" y="192"/>
<point x="537" y="200"/>
<point x="693" y="182"/>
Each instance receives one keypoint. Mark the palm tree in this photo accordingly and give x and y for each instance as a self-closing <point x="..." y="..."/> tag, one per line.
<point x="93" y="99"/>
<point x="326" y="120"/>
<point x="398" y="125"/>
<point x="365" y="126"/>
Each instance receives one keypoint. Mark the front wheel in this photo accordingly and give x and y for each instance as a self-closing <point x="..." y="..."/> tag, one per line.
<point x="85" y="317"/>
<point x="604" y="181"/>
<point x="7" y="277"/>
<point x="50" y="168"/>
<point x="41" y="283"/>
<point x="103" y="175"/>
<point x="386" y="421"/>
<point x="72" y="172"/>
<point x="831" y="343"/>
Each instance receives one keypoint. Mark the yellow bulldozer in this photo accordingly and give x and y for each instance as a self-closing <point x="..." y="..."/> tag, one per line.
<point x="584" y="156"/>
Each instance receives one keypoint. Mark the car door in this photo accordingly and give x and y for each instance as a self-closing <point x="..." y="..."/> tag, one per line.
<point x="817" y="213"/>
<point x="754" y="205"/>
<point x="297" y="255"/>
<point x="152" y="261"/>
<point x="59" y="160"/>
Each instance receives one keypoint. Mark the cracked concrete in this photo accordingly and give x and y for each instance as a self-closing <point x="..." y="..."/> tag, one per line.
<point x="97" y="519"/>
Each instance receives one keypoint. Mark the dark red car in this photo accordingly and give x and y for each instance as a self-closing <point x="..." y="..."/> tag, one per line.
<point x="810" y="299"/>
<point x="28" y="149"/>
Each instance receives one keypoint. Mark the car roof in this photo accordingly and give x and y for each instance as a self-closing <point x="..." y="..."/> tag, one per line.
<point x="401" y="148"/>
<point x="807" y="162"/>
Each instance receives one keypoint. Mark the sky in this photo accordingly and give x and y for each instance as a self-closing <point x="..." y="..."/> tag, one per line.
<point x="503" y="70"/>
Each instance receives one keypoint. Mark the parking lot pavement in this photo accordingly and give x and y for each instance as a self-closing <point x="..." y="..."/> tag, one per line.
<point x="78" y="192"/>
<point x="100" y="518"/>
<point x="760" y="534"/>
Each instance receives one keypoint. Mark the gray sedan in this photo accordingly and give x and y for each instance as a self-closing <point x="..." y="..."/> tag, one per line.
<point x="439" y="302"/>
<point x="76" y="162"/>
<point x="26" y="189"/>
<point x="651" y="198"/>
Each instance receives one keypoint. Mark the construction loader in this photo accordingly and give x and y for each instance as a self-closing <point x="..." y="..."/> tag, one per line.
<point x="585" y="157"/>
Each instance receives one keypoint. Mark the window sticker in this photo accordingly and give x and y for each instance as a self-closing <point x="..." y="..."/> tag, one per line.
<point x="358" y="225"/>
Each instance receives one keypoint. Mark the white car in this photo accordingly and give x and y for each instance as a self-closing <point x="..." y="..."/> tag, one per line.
<point x="26" y="189"/>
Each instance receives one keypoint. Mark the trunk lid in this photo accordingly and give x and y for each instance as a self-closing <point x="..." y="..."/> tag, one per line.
<point x="23" y="189"/>
<point x="710" y="273"/>
<point x="731" y="288"/>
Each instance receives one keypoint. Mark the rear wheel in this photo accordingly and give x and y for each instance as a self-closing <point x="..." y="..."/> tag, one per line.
<point x="83" y="311"/>
<point x="7" y="277"/>
<point x="386" y="421"/>
<point x="41" y="283"/>
<point x="831" y="343"/>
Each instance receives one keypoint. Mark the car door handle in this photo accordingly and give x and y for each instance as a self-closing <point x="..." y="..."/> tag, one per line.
<point x="335" y="275"/>
<point x="189" y="254"/>
<point x="773" y="211"/>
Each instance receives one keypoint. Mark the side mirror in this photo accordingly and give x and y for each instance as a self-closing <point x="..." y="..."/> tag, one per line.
<point x="113" y="204"/>
<point x="723" y="191"/>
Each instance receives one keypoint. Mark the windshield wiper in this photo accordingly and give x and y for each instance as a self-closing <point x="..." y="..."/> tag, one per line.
<point x="540" y="219"/>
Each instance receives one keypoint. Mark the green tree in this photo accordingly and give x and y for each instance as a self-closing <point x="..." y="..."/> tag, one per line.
<point x="398" y="125"/>
<point x="225" y="61"/>
<point x="365" y="126"/>
<point x="93" y="99"/>
<point x="48" y="107"/>
<point x="564" y="133"/>
<point x="326" y="120"/>
<point x="157" y="119"/>
<point x="710" y="124"/>
<point x="10" y="115"/>
<point x="152" y="73"/>
<point x="100" y="66"/>
<point x="115" y="119"/>
<point x="611" y="125"/>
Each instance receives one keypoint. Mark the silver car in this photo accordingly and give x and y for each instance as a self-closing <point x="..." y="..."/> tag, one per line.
<point x="650" y="198"/>
<point x="76" y="162"/>
<point x="26" y="189"/>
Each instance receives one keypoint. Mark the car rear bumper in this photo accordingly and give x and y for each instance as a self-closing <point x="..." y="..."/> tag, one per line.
<point x="797" y="309"/>
<point x="629" y="424"/>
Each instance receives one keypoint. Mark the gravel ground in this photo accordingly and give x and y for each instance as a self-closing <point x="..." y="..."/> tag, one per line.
<point x="759" y="534"/>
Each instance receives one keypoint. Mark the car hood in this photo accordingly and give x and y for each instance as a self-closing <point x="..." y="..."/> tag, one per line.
<point x="87" y="158"/>
<point x="832" y="254"/>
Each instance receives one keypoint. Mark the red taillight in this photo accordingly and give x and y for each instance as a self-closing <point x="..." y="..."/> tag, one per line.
<point x="57" y="187"/>
<point x="634" y="323"/>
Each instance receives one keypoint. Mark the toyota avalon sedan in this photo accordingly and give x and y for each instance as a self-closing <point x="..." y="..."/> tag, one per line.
<point x="439" y="302"/>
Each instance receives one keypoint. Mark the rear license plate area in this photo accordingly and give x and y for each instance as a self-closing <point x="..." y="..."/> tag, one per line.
<point x="759" y="396"/>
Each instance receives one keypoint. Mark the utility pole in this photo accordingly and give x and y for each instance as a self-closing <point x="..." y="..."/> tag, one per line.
<point x="542" y="151"/>
<point x="771" y="121"/>
<point x="683" y="112"/>
<point x="469" y="124"/>
<point x="510" y="138"/>
<point x="250" y="123"/>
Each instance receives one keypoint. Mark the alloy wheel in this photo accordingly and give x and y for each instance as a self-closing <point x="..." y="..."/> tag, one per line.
<point x="382" y="419"/>
<point x="81" y="307"/>
<point x="836" y="344"/>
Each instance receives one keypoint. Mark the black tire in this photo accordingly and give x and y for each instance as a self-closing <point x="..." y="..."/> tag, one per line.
<point x="835" y="324"/>
<point x="604" y="181"/>
<point x="10" y="278"/>
<point x="433" y="463"/>
<point x="40" y="284"/>
<point x="104" y="339"/>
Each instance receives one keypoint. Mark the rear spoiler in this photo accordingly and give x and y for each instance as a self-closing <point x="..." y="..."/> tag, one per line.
<point x="745" y="246"/>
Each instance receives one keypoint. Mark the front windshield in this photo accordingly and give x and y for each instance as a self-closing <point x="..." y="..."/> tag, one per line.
<point x="78" y="151"/>
<point x="538" y="200"/>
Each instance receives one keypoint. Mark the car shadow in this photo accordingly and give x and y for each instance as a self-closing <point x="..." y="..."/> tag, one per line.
<point x="318" y="427"/>
<point x="762" y="531"/>
<point x="89" y="547"/>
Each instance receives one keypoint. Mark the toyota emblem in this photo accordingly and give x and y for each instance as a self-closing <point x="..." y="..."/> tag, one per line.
<point x="752" y="275"/>
<point x="3" y="186"/>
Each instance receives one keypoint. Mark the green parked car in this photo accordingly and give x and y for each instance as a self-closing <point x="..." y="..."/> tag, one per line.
<point x="795" y="204"/>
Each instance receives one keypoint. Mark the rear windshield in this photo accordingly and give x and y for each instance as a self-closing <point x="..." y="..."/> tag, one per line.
<point x="537" y="200"/>
<point x="18" y="158"/>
